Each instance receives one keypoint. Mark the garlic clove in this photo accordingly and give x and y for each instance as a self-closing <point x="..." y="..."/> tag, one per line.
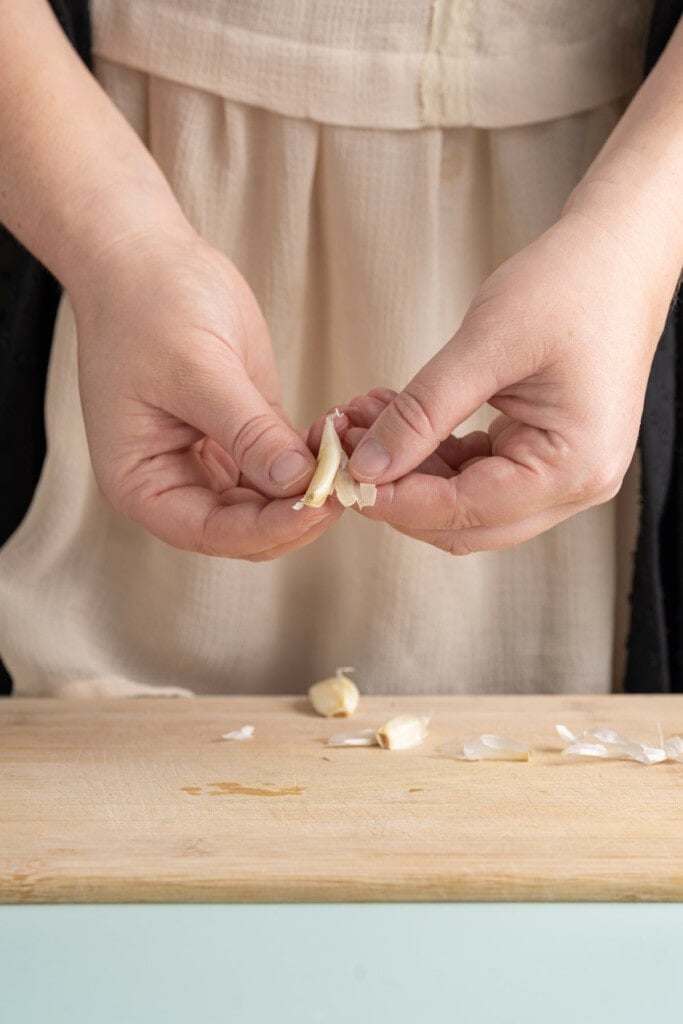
<point x="329" y="458"/>
<point x="403" y="732"/>
<point x="333" y="477"/>
<point x="337" y="696"/>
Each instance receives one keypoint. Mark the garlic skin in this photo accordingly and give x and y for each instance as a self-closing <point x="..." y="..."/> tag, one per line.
<point x="492" y="747"/>
<point x="335" y="697"/>
<point x="403" y="732"/>
<point x="245" y="733"/>
<point x="362" y="738"/>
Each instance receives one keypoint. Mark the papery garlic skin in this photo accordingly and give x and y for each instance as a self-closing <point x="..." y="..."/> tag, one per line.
<point x="245" y="733"/>
<point x="335" y="697"/>
<point x="491" y="747"/>
<point x="608" y="743"/>
<point x="362" y="738"/>
<point x="403" y="732"/>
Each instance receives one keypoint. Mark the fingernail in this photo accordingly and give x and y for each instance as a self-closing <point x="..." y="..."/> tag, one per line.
<point x="288" y="468"/>
<point x="370" y="458"/>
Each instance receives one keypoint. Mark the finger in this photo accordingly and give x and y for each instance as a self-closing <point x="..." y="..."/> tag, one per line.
<point x="222" y="472"/>
<point x="285" y="549"/>
<point x="228" y="408"/>
<point x="498" y="427"/>
<point x="315" y="432"/>
<point x="467" y="542"/>
<point x="452" y="385"/>
<point x="491" y="491"/>
<point x="172" y="501"/>
<point x="361" y="411"/>
<point x="452" y="455"/>
<point x="385" y="395"/>
<point x="457" y="451"/>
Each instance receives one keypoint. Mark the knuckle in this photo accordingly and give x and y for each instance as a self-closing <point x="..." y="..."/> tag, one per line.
<point x="411" y="407"/>
<point x="261" y="556"/>
<point x="457" y="545"/>
<point x="460" y="518"/>
<point x="207" y="543"/>
<point x="252" y="434"/>
<point x="599" y="482"/>
<point x="458" y="515"/>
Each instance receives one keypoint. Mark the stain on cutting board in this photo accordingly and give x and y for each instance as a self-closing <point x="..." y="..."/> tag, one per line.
<point x="237" y="789"/>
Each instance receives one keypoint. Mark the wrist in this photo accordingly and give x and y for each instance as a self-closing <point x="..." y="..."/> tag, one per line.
<point x="115" y="220"/>
<point x="634" y="209"/>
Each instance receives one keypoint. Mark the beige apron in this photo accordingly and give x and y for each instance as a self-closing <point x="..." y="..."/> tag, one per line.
<point x="366" y="165"/>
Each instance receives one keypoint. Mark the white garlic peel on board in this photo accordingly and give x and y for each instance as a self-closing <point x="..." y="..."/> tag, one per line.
<point x="608" y="743"/>
<point x="332" y="475"/>
<point x="245" y="733"/>
<point x="492" y="747"/>
<point x="362" y="738"/>
<point x="337" y="696"/>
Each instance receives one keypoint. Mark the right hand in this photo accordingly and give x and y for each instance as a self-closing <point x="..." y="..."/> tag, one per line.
<point x="182" y="403"/>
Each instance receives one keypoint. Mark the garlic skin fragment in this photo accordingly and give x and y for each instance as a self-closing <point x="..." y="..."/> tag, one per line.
<point x="608" y="743"/>
<point x="403" y="732"/>
<point x="349" y="491"/>
<point x="491" y="747"/>
<point x="362" y="738"/>
<point x="245" y="733"/>
<point x="333" y="477"/>
<point x="335" y="697"/>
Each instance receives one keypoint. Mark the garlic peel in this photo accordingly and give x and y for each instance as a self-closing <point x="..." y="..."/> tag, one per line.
<point x="608" y="743"/>
<point x="491" y="747"/>
<point x="245" y="733"/>
<point x="361" y="738"/>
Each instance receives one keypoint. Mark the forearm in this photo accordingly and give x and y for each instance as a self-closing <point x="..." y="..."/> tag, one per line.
<point x="74" y="177"/>
<point x="634" y="188"/>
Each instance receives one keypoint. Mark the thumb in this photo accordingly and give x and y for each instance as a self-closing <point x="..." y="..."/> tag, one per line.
<point x="234" y="413"/>
<point x="449" y="388"/>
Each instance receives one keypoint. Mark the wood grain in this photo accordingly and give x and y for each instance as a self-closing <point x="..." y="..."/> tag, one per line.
<point x="140" y="800"/>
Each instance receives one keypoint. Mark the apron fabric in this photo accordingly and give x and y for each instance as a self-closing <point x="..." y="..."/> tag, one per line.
<point x="364" y="204"/>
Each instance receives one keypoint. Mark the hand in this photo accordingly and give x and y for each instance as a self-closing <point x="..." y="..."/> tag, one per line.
<point x="559" y="340"/>
<point x="182" y="403"/>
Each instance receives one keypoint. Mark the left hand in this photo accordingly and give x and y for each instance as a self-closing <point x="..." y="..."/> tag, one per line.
<point x="559" y="340"/>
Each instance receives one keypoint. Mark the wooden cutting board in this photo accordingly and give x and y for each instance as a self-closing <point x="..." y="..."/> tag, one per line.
<point x="140" y="800"/>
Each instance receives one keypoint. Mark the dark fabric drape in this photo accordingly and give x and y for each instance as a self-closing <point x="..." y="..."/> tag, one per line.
<point x="28" y="303"/>
<point x="655" y="647"/>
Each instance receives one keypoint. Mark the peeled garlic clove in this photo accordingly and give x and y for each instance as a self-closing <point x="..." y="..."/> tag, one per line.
<point x="329" y="458"/>
<point x="403" y="732"/>
<point x="336" y="696"/>
<point x="332" y="475"/>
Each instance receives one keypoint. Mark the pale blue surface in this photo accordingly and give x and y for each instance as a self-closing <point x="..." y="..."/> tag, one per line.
<point x="293" y="964"/>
